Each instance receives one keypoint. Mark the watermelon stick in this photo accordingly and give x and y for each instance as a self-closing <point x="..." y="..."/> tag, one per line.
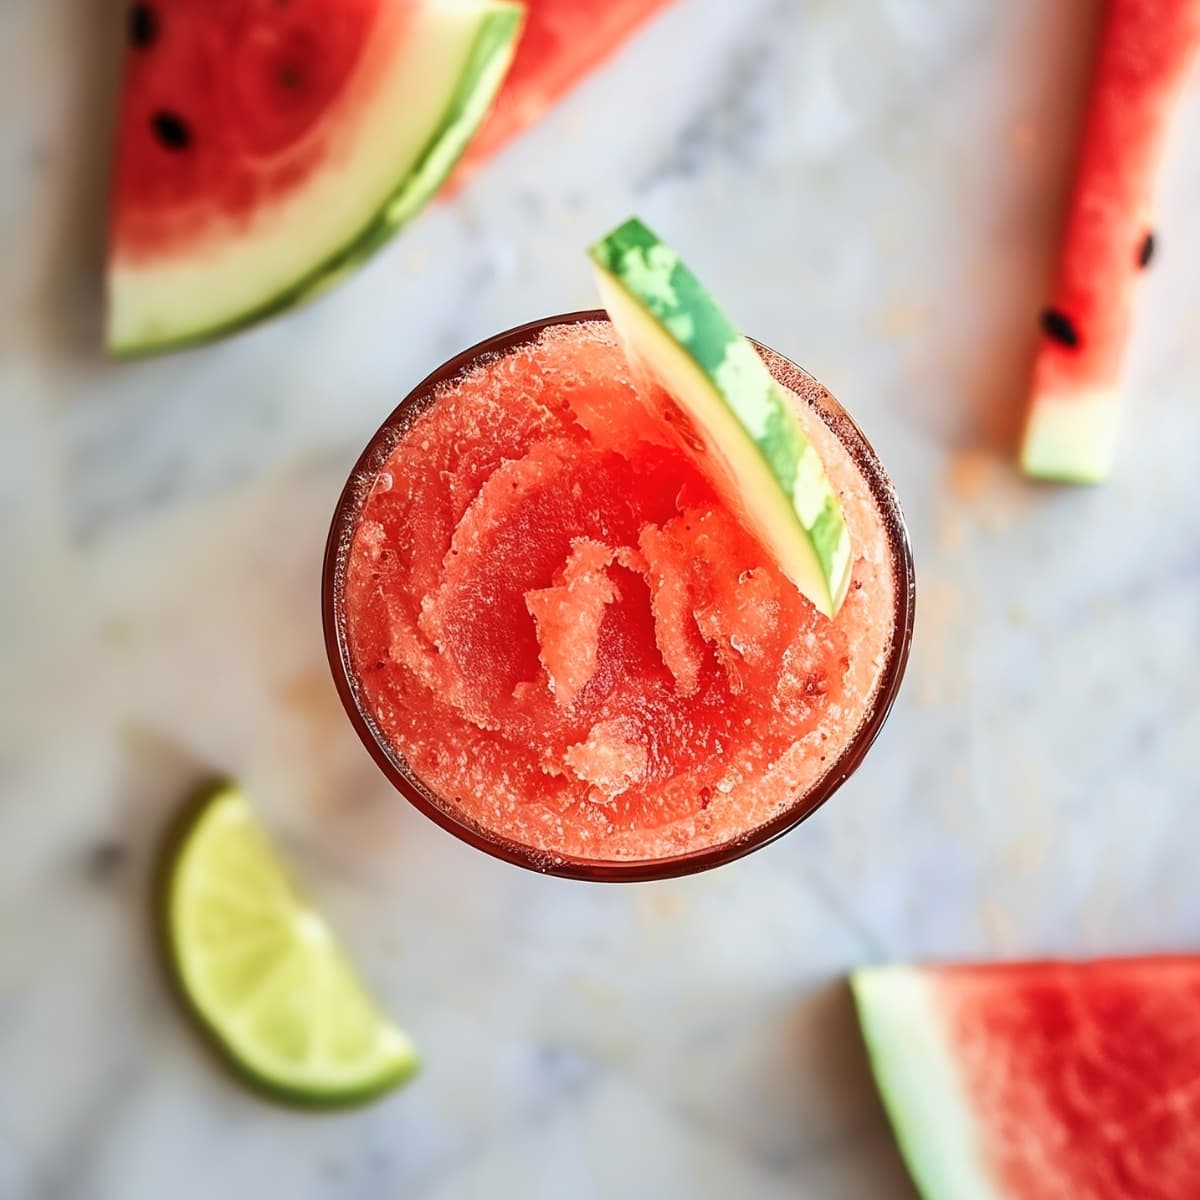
<point x="1146" y="48"/>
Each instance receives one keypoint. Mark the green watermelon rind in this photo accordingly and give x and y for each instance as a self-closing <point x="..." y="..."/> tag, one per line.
<point x="1073" y="439"/>
<point x="486" y="65"/>
<point x="928" y="1106"/>
<point x="673" y="325"/>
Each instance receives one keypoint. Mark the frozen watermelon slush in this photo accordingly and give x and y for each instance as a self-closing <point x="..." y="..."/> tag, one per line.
<point x="558" y="640"/>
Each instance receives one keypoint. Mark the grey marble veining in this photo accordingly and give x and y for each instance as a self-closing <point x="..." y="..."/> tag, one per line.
<point x="873" y="187"/>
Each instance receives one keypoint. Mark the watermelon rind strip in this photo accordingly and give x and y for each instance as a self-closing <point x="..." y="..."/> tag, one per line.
<point x="1073" y="439"/>
<point x="929" y="1109"/>
<point x="663" y="312"/>
<point x="486" y="66"/>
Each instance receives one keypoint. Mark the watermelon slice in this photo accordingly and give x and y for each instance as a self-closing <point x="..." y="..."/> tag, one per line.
<point x="562" y="42"/>
<point x="1145" y="50"/>
<point x="266" y="147"/>
<point x="1042" y="1081"/>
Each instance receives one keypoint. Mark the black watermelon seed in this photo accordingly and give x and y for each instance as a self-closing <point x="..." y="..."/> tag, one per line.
<point x="143" y="26"/>
<point x="171" y="130"/>
<point x="1146" y="251"/>
<point x="1057" y="326"/>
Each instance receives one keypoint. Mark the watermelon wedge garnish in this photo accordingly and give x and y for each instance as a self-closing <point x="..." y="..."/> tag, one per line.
<point x="266" y="147"/>
<point x="1146" y="48"/>
<point x="563" y="40"/>
<point x="1041" y="1081"/>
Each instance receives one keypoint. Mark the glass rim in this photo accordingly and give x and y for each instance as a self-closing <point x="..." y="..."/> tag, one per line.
<point x="422" y="797"/>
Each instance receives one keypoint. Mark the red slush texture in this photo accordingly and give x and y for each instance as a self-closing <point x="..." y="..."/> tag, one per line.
<point x="572" y="641"/>
<point x="1083" y="1076"/>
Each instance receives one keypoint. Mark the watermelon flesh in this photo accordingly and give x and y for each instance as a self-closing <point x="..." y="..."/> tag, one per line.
<point x="563" y="40"/>
<point x="1146" y="48"/>
<point x="1041" y="1081"/>
<point x="265" y="148"/>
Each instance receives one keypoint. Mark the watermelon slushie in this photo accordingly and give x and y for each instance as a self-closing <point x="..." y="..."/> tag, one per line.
<point x="559" y="642"/>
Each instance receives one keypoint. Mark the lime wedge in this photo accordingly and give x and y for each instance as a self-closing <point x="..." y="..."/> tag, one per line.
<point x="263" y="971"/>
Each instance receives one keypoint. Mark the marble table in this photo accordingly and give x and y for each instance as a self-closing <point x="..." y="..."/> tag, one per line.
<point x="874" y="186"/>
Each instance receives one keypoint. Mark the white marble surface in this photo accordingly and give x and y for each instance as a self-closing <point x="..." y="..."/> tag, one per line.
<point x="873" y="188"/>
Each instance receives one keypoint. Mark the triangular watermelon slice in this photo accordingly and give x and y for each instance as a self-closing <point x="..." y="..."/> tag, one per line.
<point x="1146" y="48"/>
<point x="563" y="40"/>
<point x="1041" y="1081"/>
<point x="265" y="147"/>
